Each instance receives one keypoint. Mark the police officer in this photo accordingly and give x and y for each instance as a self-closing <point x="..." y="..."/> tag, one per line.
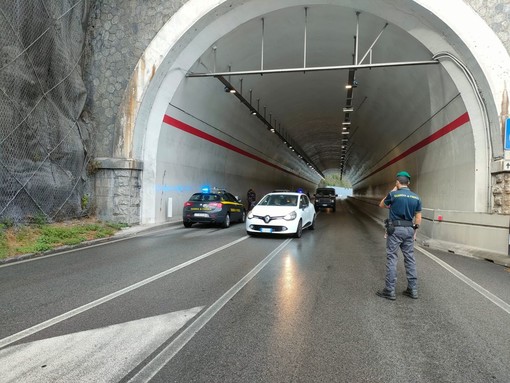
<point x="404" y="206"/>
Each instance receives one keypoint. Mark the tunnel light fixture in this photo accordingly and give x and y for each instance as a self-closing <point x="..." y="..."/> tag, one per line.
<point x="348" y="86"/>
<point x="346" y="122"/>
<point x="345" y="132"/>
<point x="348" y="109"/>
<point x="270" y="123"/>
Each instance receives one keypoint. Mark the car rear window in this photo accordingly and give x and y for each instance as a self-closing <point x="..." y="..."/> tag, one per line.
<point x="201" y="197"/>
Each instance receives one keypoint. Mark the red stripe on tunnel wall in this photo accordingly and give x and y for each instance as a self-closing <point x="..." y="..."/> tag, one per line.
<point x="198" y="133"/>
<point x="457" y="123"/>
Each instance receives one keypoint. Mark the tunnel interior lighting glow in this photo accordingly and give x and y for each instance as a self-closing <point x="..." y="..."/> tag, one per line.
<point x="345" y="132"/>
<point x="269" y="124"/>
<point x="346" y="122"/>
<point x="348" y="109"/>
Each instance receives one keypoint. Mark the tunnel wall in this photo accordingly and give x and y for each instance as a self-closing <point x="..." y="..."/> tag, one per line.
<point x="433" y="138"/>
<point x="232" y="150"/>
<point x="460" y="232"/>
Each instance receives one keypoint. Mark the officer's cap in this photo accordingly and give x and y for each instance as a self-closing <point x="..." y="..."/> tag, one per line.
<point x="404" y="174"/>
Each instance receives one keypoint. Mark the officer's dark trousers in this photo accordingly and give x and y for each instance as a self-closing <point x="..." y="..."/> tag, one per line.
<point x="402" y="238"/>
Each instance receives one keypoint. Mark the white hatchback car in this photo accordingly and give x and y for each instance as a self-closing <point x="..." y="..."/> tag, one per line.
<point x="281" y="213"/>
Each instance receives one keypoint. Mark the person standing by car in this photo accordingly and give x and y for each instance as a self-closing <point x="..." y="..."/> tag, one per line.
<point x="251" y="197"/>
<point x="404" y="206"/>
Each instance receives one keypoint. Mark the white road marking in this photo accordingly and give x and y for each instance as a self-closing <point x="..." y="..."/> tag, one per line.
<point x="50" y="322"/>
<point x="142" y="233"/>
<point x="101" y="355"/>
<point x="487" y="294"/>
<point x="156" y="364"/>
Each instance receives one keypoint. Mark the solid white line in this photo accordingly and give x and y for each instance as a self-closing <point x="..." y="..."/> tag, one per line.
<point x="156" y="364"/>
<point x="50" y="322"/>
<point x="493" y="298"/>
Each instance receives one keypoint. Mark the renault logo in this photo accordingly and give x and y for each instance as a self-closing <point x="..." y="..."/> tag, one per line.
<point x="267" y="219"/>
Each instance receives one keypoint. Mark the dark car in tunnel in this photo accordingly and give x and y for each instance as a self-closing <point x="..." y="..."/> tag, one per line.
<point x="216" y="207"/>
<point x="325" y="198"/>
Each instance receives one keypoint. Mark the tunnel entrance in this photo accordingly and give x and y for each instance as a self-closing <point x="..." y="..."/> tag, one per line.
<point x="438" y="122"/>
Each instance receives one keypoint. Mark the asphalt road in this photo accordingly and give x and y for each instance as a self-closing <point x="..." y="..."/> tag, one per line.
<point x="213" y="305"/>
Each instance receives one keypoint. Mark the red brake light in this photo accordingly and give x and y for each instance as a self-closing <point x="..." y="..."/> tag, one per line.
<point x="217" y="205"/>
<point x="188" y="203"/>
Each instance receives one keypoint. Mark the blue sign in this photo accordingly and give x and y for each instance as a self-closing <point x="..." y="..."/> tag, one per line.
<point x="507" y="134"/>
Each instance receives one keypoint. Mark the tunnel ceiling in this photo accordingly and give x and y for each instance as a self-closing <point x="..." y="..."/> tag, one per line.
<point x="389" y="103"/>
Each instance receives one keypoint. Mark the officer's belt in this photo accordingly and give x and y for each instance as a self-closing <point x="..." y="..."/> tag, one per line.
<point x="402" y="223"/>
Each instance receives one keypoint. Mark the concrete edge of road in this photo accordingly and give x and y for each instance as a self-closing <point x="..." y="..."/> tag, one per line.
<point x="123" y="233"/>
<point x="466" y="251"/>
<point x="453" y="248"/>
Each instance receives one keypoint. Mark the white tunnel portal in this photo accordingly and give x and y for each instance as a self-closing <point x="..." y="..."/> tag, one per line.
<point x="429" y="120"/>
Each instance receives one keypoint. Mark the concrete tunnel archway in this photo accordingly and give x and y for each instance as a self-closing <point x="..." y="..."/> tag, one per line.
<point x="449" y="144"/>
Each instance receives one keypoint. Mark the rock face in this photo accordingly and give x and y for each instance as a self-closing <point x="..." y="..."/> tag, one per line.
<point x="44" y="142"/>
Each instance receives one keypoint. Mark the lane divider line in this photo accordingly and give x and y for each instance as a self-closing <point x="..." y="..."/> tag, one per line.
<point x="487" y="294"/>
<point x="156" y="364"/>
<point x="50" y="322"/>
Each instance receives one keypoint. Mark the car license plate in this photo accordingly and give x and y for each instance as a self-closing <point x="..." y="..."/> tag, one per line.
<point x="266" y="230"/>
<point x="201" y="215"/>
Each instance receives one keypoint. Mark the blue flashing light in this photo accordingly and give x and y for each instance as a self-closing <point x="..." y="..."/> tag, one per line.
<point x="206" y="189"/>
<point x="300" y="190"/>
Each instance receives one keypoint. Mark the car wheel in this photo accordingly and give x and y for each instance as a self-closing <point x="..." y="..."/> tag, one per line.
<point x="243" y="216"/>
<point x="226" y="223"/>
<point x="299" y="230"/>
<point x="187" y="224"/>
<point x="312" y="226"/>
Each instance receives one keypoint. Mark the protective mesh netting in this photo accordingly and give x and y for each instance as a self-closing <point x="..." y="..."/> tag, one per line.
<point x="43" y="143"/>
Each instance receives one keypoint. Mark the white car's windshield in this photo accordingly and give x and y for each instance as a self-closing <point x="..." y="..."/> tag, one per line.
<point x="279" y="200"/>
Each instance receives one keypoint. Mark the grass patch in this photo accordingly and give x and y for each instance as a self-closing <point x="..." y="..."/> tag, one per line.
<point x="43" y="237"/>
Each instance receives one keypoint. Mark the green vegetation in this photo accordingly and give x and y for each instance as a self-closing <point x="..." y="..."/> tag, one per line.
<point x="335" y="180"/>
<point x="42" y="236"/>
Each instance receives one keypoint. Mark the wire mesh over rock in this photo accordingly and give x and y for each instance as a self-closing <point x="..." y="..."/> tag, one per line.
<point x="43" y="142"/>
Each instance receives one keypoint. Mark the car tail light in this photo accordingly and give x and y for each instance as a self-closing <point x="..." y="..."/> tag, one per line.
<point x="216" y="205"/>
<point x="188" y="204"/>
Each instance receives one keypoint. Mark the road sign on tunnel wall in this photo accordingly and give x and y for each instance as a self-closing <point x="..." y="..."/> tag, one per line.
<point x="507" y="134"/>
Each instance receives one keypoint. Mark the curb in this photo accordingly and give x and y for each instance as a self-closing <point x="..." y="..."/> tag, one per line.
<point x="121" y="234"/>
